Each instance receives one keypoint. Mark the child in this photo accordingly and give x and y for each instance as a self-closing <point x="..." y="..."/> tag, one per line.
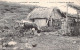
<point x="33" y="30"/>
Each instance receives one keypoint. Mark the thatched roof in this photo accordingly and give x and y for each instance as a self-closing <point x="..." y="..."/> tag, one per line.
<point x="45" y="13"/>
<point x="74" y="6"/>
<point x="58" y="14"/>
<point x="40" y="13"/>
<point x="73" y="16"/>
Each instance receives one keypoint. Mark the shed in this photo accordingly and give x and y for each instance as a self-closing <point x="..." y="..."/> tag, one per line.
<point x="72" y="26"/>
<point x="40" y="16"/>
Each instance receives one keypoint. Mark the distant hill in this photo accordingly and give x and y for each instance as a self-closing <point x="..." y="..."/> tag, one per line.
<point x="7" y="9"/>
<point x="13" y="11"/>
<point x="9" y="13"/>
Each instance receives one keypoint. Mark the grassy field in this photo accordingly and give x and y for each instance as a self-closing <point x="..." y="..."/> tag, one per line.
<point x="45" y="42"/>
<point x="10" y="13"/>
<point x="52" y="42"/>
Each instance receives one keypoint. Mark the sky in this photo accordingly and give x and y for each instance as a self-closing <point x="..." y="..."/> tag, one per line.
<point x="61" y="4"/>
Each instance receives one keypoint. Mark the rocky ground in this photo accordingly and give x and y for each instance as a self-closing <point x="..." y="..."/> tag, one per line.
<point x="46" y="41"/>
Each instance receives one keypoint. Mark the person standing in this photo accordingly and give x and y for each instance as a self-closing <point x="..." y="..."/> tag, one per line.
<point x="33" y="31"/>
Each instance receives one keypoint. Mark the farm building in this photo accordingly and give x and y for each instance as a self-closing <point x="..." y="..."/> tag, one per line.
<point x="45" y="16"/>
<point x="57" y="16"/>
<point x="71" y="26"/>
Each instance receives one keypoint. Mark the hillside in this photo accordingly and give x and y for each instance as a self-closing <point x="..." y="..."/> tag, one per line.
<point x="14" y="9"/>
<point x="10" y="12"/>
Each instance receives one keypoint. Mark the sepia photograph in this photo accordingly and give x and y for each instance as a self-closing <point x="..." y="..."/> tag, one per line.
<point x="39" y="24"/>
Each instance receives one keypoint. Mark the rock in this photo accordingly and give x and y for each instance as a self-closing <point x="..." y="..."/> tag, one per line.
<point x="12" y="43"/>
<point x="28" y="45"/>
<point x="0" y="38"/>
<point x="15" y="48"/>
<point x="34" y="45"/>
<point x="74" y="42"/>
<point x="46" y="33"/>
<point x="39" y="34"/>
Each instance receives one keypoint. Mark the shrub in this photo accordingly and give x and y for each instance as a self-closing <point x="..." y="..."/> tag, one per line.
<point x="48" y="29"/>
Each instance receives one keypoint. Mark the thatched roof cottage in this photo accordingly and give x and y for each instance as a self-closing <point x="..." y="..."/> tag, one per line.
<point x="44" y="16"/>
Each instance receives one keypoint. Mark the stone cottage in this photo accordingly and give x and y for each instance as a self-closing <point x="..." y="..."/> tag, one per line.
<point x="45" y="16"/>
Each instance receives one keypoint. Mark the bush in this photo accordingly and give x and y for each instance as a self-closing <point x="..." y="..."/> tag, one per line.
<point x="48" y="29"/>
<point x="6" y="27"/>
